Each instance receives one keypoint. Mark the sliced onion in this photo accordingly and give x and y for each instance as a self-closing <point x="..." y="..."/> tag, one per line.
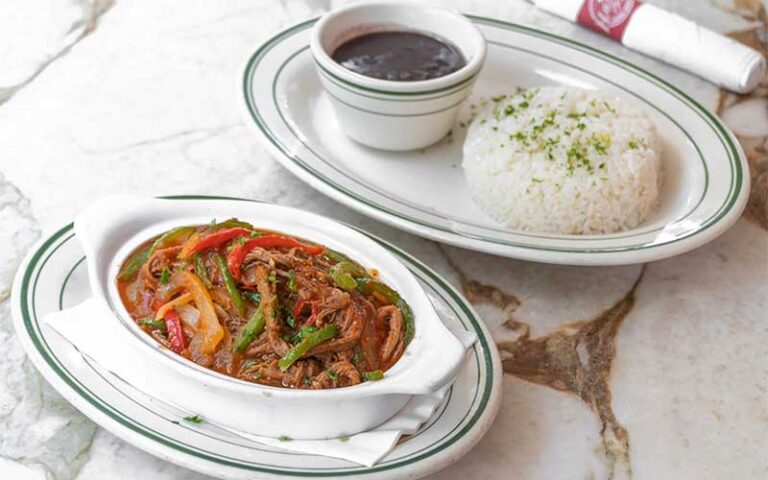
<point x="190" y="316"/>
<point x="176" y="302"/>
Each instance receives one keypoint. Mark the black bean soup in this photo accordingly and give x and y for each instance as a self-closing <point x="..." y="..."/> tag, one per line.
<point x="399" y="56"/>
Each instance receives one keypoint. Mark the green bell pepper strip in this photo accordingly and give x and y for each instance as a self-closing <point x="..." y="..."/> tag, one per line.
<point x="307" y="343"/>
<point x="134" y="264"/>
<point x="130" y="270"/>
<point x="373" y="376"/>
<point x="200" y="270"/>
<point x="345" y="281"/>
<point x="303" y="332"/>
<point x="151" y="323"/>
<point x="335" y="256"/>
<point x="251" y="331"/>
<point x="231" y="223"/>
<point x="368" y="286"/>
<point x="343" y="273"/>
<point x="349" y="267"/>
<point x="165" y="275"/>
<point x="410" y="329"/>
<point x="230" y="285"/>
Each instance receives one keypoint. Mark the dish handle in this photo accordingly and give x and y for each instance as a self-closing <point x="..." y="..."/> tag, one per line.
<point x="109" y="218"/>
<point x="100" y="229"/>
<point x="84" y="326"/>
<point x="437" y="366"/>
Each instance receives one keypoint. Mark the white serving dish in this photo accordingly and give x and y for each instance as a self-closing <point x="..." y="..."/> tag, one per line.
<point x="392" y="115"/>
<point x="114" y="226"/>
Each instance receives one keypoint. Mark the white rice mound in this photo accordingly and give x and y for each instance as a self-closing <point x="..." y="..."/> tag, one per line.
<point x="562" y="160"/>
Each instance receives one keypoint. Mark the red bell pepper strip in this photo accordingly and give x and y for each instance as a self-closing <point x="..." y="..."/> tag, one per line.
<point x="313" y="315"/>
<point x="212" y="240"/>
<point x="237" y="255"/>
<point x="298" y="308"/>
<point x="175" y="333"/>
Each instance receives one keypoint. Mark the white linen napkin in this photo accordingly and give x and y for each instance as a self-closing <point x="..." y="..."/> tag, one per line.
<point x="85" y="327"/>
<point x="369" y="447"/>
<point x="668" y="37"/>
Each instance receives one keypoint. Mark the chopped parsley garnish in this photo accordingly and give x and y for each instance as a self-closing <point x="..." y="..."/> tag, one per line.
<point x="520" y="137"/>
<point x="165" y="275"/>
<point x="333" y="375"/>
<point x="251" y="295"/>
<point x="193" y="419"/>
<point x="290" y="321"/>
<point x="373" y="376"/>
<point x="284" y="438"/>
<point x="601" y="142"/>
<point x="632" y="145"/>
<point x="540" y="134"/>
<point x="577" y="156"/>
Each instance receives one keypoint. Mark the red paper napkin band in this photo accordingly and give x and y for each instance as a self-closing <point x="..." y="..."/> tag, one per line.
<point x="609" y="17"/>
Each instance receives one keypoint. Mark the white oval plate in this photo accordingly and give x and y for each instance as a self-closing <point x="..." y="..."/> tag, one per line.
<point x="706" y="175"/>
<point x="53" y="277"/>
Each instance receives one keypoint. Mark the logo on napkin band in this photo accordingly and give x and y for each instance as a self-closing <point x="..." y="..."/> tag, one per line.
<point x="609" y="17"/>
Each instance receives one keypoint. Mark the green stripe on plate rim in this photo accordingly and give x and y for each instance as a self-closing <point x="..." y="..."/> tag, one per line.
<point x="735" y="165"/>
<point x="32" y="327"/>
<point x="381" y="114"/>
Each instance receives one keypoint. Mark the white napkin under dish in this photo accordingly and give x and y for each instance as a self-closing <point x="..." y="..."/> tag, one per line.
<point x="98" y="339"/>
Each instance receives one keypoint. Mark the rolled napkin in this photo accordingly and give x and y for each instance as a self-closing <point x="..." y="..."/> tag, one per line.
<point x="97" y="338"/>
<point x="668" y="37"/>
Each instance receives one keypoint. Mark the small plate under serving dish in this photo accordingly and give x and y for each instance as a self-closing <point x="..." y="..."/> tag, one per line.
<point x="53" y="277"/>
<point x="706" y="182"/>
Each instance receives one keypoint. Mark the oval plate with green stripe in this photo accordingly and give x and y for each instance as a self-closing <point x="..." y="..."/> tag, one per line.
<point x="54" y="277"/>
<point x="706" y="181"/>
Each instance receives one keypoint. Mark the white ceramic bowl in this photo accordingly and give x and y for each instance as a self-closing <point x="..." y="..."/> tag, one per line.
<point x="393" y="115"/>
<point x="114" y="226"/>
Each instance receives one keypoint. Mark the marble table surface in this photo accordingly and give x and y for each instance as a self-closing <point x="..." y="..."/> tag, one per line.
<point x="606" y="377"/>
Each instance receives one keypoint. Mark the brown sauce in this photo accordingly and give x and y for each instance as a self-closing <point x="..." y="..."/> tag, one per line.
<point x="399" y="56"/>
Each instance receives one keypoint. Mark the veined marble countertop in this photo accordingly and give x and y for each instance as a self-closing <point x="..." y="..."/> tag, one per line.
<point x="669" y="380"/>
